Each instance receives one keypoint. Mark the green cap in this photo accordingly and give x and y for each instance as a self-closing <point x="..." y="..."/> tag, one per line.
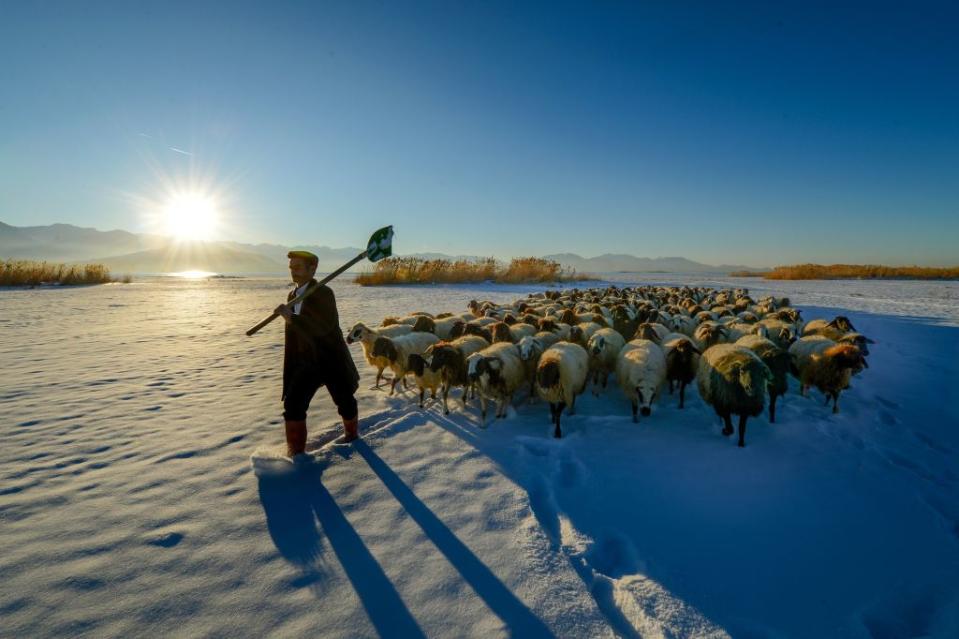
<point x="304" y="255"/>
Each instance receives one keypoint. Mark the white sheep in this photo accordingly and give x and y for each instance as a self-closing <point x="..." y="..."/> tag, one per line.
<point x="560" y="377"/>
<point x="641" y="371"/>
<point x="603" y="349"/>
<point x="497" y="372"/>
<point x="779" y="332"/>
<point x="366" y="336"/>
<point x="397" y="351"/>
<point x="521" y="330"/>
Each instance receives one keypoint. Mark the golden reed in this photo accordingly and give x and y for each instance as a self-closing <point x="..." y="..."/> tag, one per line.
<point x="414" y="270"/>
<point x="852" y="272"/>
<point x="31" y="273"/>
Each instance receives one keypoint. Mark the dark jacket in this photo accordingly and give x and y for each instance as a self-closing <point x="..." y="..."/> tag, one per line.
<point x="315" y="342"/>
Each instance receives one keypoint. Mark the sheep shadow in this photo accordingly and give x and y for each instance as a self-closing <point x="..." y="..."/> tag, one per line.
<point x="293" y="504"/>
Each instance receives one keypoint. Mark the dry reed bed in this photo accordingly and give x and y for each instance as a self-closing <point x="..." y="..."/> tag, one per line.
<point x="413" y="270"/>
<point x="852" y="272"/>
<point x="31" y="273"/>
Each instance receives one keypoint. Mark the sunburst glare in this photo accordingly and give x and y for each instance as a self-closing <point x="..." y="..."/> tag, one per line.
<point x="190" y="216"/>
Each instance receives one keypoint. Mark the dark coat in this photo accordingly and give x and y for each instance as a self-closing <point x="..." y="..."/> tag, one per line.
<point x="315" y="342"/>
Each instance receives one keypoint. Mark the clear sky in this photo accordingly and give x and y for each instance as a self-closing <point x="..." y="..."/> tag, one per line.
<point x="761" y="134"/>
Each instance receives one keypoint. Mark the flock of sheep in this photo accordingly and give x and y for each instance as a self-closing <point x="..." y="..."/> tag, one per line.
<point x="739" y="350"/>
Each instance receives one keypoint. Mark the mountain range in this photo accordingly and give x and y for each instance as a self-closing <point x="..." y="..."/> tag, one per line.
<point x="125" y="252"/>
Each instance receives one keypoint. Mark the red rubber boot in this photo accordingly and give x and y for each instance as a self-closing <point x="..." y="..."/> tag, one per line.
<point x="295" y="437"/>
<point x="351" y="429"/>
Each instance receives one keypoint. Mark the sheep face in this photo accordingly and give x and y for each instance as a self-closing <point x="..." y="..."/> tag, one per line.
<point x="752" y="379"/>
<point x="384" y="347"/>
<point x="680" y="356"/>
<point x="596" y="345"/>
<point x="645" y="394"/>
<point x="847" y="356"/>
<point x="441" y="355"/>
<point x="842" y="323"/>
<point x="357" y="333"/>
<point x="458" y="330"/>
<point x="859" y="340"/>
<point x="786" y="336"/>
<point x="479" y="366"/>
<point x="528" y="347"/>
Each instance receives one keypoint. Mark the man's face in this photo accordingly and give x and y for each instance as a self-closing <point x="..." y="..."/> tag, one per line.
<point x="300" y="271"/>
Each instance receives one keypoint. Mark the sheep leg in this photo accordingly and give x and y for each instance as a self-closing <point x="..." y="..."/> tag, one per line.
<point x="605" y="379"/>
<point x="682" y="393"/>
<point x="446" y="393"/>
<point x="727" y="425"/>
<point x="742" y="430"/>
<point x="393" y="385"/>
<point x="635" y="410"/>
<point x="379" y="376"/>
<point x="559" y="412"/>
<point x="772" y="408"/>
<point x="422" y="393"/>
<point x="835" y="402"/>
<point x="482" y="410"/>
<point x="671" y="392"/>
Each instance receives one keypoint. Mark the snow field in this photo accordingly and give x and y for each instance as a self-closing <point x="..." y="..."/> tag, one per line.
<point x="128" y="504"/>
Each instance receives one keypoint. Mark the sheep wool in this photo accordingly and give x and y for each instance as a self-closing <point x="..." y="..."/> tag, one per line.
<point x="641" y="371"/>
<point x="733" y="380"/>
<point x="560" y="377"/>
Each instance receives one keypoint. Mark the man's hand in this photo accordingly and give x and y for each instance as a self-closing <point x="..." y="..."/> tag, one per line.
<point x="285" y="312"/>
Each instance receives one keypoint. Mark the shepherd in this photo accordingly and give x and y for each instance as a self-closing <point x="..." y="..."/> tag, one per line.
<point x="315" y="354"/>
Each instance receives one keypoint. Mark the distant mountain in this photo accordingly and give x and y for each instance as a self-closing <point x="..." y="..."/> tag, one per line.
<point x="65" y="242"/>
<point x="126" y="252"/>
<point x="192" y="256"/>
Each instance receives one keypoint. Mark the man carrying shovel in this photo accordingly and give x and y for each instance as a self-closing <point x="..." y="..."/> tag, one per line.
<point x="315" y="355"/>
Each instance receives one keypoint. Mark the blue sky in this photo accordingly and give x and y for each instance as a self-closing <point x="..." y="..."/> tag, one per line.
<point x="759" y="134"/>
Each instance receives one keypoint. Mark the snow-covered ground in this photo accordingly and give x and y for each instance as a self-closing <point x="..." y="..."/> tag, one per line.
<point x="129" y="506"/>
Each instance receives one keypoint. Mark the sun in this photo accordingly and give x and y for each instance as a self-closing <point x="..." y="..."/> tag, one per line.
<point x="190" y="216"/>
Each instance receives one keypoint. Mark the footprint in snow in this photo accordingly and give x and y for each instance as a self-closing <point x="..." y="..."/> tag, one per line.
<point x="168" y="540"/>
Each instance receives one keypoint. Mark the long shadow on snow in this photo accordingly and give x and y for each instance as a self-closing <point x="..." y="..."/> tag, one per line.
<point x="293" y="503"/>
<point x="520" y="619"/>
